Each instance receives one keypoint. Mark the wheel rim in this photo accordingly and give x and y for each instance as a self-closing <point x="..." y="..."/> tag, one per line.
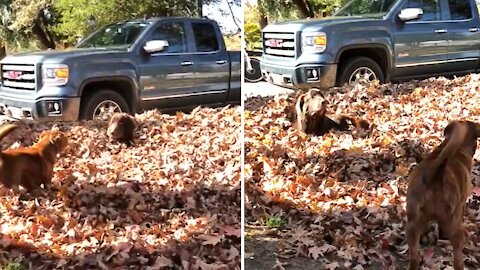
<point x="363" y="75"/>
<point x="105" y="110"/>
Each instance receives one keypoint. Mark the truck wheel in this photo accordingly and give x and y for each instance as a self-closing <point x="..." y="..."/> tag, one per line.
<point x="102" y="104"/>
<point x="360" y="70"/>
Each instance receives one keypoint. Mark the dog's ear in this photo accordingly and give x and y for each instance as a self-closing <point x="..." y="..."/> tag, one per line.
<point x="476" y="127"/>
<point x="448" y="131"/>
<point x="43" y="134"/>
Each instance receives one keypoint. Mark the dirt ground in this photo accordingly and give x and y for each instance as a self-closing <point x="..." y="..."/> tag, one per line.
<point x="261" y="253"/>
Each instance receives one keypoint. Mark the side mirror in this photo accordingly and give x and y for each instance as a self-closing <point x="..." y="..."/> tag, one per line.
<point x="409" y="14"/>
<point x="154" y="46"/>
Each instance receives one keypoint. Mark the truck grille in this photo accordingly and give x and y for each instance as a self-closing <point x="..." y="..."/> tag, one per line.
<point x="18" y="77"/>
<point x="279" y="44"/>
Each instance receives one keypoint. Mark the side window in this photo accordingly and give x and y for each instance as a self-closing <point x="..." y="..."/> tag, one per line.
<point x="174" y="33"/>
<point x="431" y="9"/>
<point x="460" y="9"/>
<point x="205" y="37"/>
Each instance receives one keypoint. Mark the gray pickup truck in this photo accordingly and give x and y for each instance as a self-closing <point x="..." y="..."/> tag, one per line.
<point x="367" y="40"/>
<point x="129" y="66"/>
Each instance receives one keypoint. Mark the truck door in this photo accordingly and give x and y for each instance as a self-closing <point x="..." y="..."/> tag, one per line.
<point x="421" y="45"/>
<point x="167" y="76"/>
<point x="212" y="63"/>
<point x="464" y="36"/>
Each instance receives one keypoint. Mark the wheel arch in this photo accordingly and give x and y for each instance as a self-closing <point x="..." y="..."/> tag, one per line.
<point x="377" y="52"/>
<point x="123" y="85"/>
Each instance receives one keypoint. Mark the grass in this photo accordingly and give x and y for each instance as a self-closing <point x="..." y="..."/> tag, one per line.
<point x="274" y="222"/>
<point x="13" y="266"/>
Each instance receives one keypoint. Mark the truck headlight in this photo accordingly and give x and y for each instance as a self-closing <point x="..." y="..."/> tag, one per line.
<point x="55" y="74"/>
<point x="314" y="42"/>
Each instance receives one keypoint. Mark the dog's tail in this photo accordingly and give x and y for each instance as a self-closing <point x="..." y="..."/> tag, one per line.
<point x="455" y="135"/>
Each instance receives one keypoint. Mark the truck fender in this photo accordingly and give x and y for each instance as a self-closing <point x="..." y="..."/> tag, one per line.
<point x="384" y="47"/>
<point x="132" y="83"/>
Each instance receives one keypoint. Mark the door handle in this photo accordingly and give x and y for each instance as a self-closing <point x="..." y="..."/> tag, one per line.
<point x="221" y="62"/>
<point x="474" y="29"/>
<point x="187" y="63"/>
<point x="441" y="31"/>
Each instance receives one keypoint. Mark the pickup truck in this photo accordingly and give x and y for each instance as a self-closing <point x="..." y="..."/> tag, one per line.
<point x="368" y="40"/>
<point x="129" y="66"/>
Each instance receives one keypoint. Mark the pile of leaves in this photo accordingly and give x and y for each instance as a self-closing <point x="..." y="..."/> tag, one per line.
<point x="341" y="196"/>
<point x="172" y="201"/>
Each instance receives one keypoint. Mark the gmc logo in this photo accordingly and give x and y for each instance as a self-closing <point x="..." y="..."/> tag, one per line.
<point x="13" y="75"/>
<point x="275" y="42"/>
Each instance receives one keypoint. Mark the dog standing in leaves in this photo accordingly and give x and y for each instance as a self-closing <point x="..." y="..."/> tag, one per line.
<point x="311" y="116"/>
<point x="122" y="128"/>
<point x="32" y="166"/>
<point x="438" y="188"/>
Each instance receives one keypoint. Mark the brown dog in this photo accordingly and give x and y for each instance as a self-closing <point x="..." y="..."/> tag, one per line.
<point x="122" y="128"/>
<point x="30" y="166"/>
<point x="310" y="109"/>
<point x="311" y="116"/>
<point x="438" y="188"/>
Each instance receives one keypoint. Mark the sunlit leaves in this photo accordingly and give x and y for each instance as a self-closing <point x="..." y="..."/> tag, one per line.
<point x="171" y="200"/>
<point x="346" y="193"/>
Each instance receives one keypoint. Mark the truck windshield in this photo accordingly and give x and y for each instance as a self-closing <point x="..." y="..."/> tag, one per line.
<point x="114" y="35"/>
<point x="367" y="8"/>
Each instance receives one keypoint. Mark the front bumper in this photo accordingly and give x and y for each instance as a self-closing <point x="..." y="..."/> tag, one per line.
<point x="38" y="109"/>
<point x="296" y="76"/>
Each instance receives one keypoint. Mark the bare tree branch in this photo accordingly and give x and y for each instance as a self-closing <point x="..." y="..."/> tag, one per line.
<point x="235" y="19"/>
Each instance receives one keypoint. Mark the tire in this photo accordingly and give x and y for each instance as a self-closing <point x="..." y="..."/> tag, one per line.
<point x="90" y="103"/>
<point x="353" y="65"/>
<point x="256" y="74"/>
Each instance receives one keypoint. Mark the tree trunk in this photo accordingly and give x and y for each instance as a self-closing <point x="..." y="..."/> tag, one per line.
<point x="42" y="35"/>
<point x="50" y="36"/>
<point x="200" y="8"/>
<point x="263" y="20"/>
<point x="3" y="52"/>
<point x="303" y="8"/>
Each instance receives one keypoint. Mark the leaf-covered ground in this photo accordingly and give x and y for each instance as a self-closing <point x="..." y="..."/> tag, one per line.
<point x="339" y="199"/>
<point x="170" y="202"/>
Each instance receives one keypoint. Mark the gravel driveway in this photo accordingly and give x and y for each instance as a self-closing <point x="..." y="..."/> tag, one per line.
<point x="263" y="89"/>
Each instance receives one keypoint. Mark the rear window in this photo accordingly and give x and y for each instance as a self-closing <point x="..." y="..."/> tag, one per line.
<point x="205" y="37"/>
<point x="460" y="9"/>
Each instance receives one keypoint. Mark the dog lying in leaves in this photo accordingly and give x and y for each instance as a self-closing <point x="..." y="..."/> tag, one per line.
<point x="311" y="116"/>
<point x="32" y="166"/>
<point x="438" y="188"/>
<point x="122" y="128"/>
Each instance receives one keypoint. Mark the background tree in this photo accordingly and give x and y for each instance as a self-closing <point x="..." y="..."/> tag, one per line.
<point x="252" y="27"/>
<point x="298" y="9"/>
<point x="33" y="17"/>
<point x="75" y="14"/>
<point x="259" y="13"/>
<point x="9" y="38"/>
<point x="41" y="24"/>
